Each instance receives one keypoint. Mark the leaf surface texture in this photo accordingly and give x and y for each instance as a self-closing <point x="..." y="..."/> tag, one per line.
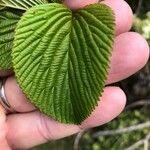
<point x="21" y="4"/>
<point x="8" y="21"/>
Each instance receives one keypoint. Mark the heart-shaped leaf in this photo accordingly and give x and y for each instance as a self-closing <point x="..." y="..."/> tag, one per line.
<point x="61" y="58"/>
<point x="8" y="21"/>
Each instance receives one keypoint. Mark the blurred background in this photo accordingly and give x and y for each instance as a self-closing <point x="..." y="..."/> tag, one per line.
<point x="131" y="130"/>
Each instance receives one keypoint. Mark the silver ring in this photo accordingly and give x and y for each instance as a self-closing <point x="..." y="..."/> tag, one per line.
<point x="3" y="99"/>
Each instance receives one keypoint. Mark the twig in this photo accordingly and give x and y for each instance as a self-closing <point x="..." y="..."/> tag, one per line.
<point x="135" y="145"/>
<point x="139" y="7"/>
<point x="139" y="103"/>
<point x="139" y="143"/>
<point x="122" y="130"/>
<point x="146" y="144"/>
<point x="77" y="140"/>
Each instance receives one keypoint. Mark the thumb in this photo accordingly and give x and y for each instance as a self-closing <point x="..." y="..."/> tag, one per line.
<point x="75" y="4"/>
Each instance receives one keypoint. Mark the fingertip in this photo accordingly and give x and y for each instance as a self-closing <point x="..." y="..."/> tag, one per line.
<point x="130" y="54"/>
<point x="111" y="105"/>
<point x="123" y="14"/>
<point x="143" y="47"/>
<point x="75" y="4"/>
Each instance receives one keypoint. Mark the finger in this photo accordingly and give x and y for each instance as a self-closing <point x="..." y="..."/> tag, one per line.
<point x="43" y="128"/>
<point x="16" y="97"/>
<point x="123" y="12"/>
<point x="75" y="4"/>
<point x="109" y="107"/>
<point x="130" y="54"/>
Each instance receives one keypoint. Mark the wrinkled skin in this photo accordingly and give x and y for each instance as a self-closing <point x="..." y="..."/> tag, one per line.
<point x="29" y="127"/>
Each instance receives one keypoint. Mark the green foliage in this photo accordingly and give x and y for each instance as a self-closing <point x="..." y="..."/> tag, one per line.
<point x="9" y="18"/>
<point x="120" y="141"/>
<point x="142" y="25"/>
<point x="8" y="21"/>
<point x="61" y="58"/>
<point x="21" y="4"/>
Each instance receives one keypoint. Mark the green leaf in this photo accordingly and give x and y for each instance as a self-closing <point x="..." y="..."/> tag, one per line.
<point x="8" y="21"/>
<point x="21" y="4"/>
<point x="61" y="58"/>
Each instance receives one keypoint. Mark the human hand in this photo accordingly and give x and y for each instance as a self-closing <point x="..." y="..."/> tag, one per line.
<point x="29" y="127"/>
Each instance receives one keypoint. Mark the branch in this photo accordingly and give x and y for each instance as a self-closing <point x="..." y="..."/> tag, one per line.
<point x="77" y="140"/>
<point x="122" y="130"/>
<point x="139" y="7"/>
<point x="139" y="103"/>
<point x="135" y="145"/>
<point x="139" y="143"/>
